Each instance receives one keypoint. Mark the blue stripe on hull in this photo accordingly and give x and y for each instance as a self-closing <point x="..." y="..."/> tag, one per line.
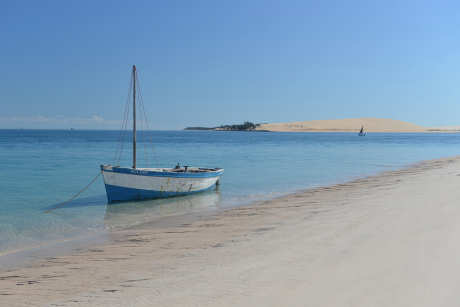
<point x="117" y="193"/>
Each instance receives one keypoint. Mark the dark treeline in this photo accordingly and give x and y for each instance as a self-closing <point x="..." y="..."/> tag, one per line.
<point x="246" y="126"/>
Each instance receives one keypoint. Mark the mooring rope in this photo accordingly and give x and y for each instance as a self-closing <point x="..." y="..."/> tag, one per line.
<point x="76" y="195"/>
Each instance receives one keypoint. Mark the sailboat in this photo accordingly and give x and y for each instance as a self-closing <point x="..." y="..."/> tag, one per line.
<point x="361" y="132"/>
<point x="134" y="183"/>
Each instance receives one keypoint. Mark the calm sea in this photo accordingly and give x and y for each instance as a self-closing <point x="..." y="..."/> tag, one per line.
<point x="41" y="168"/>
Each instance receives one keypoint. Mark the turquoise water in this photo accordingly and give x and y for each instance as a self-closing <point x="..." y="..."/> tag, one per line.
<point x="42" y="168"/>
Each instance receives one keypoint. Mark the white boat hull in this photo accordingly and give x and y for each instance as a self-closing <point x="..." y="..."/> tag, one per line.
<point x="136" y="184"/>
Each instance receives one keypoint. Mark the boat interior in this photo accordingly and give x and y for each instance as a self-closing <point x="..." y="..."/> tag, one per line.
<point x="182" y="169"/>
<point x="176" y="169"/>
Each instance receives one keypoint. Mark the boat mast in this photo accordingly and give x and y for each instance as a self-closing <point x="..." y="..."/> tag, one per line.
<point x="134" y="116"/>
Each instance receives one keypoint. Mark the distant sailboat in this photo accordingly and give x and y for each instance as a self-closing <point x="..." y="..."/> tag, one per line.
<point x="361" y="132"/>
<point x="133" y="183"/>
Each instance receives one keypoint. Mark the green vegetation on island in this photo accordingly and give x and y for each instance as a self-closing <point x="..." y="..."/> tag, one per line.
<point x="246" y="126"/>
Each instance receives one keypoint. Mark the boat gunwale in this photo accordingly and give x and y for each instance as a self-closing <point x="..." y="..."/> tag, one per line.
<point x="143" y="172"/>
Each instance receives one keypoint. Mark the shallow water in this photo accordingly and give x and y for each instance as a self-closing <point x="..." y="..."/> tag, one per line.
<point x="41" y="168"/>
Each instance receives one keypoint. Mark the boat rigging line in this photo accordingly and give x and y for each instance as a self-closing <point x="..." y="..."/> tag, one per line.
<point x="144" y="125"/>
<point x="124" y="125"/>
<point x="76" y="195"/>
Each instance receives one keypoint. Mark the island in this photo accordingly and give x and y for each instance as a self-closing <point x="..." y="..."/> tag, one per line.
<point x="369" y="124"/>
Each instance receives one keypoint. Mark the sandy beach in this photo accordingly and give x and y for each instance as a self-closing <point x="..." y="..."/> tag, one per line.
<point x="387" y="240"/>
<point x="370" y="124"/>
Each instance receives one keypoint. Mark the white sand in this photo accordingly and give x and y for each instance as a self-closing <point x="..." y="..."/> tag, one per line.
<point x="388" y="240"/>
<point x="345" y="125"/>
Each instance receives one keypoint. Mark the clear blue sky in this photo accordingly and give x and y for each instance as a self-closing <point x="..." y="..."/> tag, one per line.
<point x="67" y="63"/>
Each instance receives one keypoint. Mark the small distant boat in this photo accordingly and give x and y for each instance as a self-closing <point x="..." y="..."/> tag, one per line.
<point x="361" y="132"/>
<point x="133" y="183"/>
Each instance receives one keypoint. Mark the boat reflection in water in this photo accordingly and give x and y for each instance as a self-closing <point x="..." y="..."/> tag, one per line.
<point x="131" y="214"/>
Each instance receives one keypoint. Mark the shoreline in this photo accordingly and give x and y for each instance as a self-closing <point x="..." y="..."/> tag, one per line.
<point x="24" y="256"/>
<point x="195" y="253"/>
<point x="352" y="131"/>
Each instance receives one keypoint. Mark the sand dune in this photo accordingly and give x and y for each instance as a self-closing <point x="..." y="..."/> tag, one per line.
<point x="345" y="125"/>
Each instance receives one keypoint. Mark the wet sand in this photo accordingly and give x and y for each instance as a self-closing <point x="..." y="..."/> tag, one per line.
<point x="386" y="240"/>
